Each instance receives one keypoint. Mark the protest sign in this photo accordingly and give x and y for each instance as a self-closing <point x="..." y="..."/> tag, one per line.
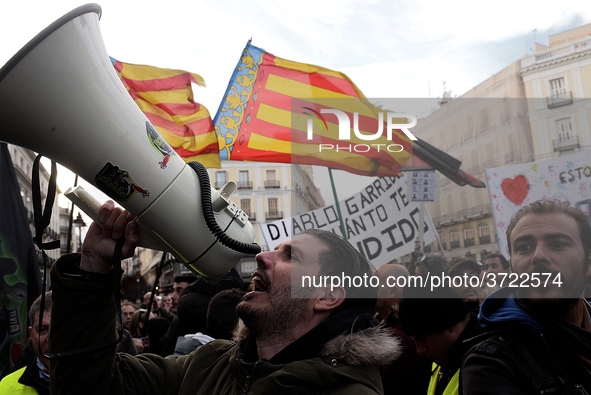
<point x="380" y="221"/>
<point x="566" y="179"/>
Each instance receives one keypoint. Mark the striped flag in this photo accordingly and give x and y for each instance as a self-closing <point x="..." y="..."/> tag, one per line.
<point x="166" y="97"/>
<point x="265" y="111"/>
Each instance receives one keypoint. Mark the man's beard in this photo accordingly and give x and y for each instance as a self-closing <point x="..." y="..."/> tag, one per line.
<point x="556" y="300"/>
<point x="281" y="314"/>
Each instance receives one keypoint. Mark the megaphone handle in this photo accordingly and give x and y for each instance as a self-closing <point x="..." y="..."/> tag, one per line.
<point x="90" y="205"/>
<point x="85" y="201"/>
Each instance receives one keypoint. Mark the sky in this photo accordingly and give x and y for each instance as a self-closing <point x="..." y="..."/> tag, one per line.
<point x="403" y="48"/>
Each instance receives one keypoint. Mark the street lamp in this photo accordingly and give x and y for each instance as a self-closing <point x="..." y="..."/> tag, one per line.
<point x="79" y="223"/>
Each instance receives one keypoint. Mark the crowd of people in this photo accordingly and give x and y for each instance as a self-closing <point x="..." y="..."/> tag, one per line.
<point x="266" y="336"/>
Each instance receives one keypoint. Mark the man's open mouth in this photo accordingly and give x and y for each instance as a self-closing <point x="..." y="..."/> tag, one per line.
<point x="259" y="283"/>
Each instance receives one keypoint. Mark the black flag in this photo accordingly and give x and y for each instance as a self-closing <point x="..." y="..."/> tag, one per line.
<point x="20" y="277"/>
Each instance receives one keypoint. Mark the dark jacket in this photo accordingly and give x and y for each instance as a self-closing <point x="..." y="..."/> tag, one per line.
<point x="410" y="372"/>
<point x="518" y="354"/>
<point x="192" y="307"/>
<point x="456" y="353"/>
<point x="340" y="356"/>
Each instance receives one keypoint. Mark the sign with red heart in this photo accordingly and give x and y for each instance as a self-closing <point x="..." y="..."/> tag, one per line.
<point x="515" y="189"/>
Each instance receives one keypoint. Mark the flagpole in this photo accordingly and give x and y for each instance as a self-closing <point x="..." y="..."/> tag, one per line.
<point x="337" y="205"/>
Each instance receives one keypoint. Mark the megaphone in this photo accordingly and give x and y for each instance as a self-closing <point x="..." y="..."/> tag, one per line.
<point x="61" y="97"/>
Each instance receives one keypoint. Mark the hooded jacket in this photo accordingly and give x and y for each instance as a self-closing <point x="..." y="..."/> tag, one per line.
<point x="517" y="355"/>
<point x="339" y="356"/>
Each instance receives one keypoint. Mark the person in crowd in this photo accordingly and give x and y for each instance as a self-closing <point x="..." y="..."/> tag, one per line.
<point x="467" y="288"/>
<point x="439" y="322"/>
<point x="410" y="372"/>
<point x="137" y="330"/>
<point x="146" y="301"/>
<point x="321" y="340"/>
<point x="180" y="283"/>
<point x="495" y="264"/>
<point x="127" y="343"/>
<point x="494" y="274"/>
<point x="192" y="307"/>
<point x="166" y="302"/>
<point x="431" y="264"/>
<point x="34" y="378"/>
<point x="538" y="336"/>
<point x="222" y="322"/>
<point x="415" y="256"/>
<point x="127" y="311"/>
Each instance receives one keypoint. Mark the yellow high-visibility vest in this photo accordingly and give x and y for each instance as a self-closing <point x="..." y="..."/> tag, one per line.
<point x="10" y="385"/>
<point x="452" y="386"/>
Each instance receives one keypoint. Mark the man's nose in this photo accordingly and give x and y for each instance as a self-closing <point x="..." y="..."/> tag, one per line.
<point x="265" y="259"/>
<point x="540" y="255"/>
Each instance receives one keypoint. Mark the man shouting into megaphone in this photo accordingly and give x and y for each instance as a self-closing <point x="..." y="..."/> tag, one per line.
<point x="293" y="340"/>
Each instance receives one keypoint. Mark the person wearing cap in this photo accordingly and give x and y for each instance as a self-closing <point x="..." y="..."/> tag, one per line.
<point x="439" y="322"/>
<point x="465" y="269"/>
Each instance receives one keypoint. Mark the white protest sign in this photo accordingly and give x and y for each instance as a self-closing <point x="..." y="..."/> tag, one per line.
<point x="566" y="179"/>
<point x="381" y="222"/>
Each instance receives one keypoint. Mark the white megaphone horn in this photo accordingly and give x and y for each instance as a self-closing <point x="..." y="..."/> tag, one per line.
<point x="61" y="97"/>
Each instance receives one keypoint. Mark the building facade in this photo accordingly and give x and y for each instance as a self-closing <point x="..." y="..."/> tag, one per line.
<point x="558" y="79"/>
<point x="486" y="127"/>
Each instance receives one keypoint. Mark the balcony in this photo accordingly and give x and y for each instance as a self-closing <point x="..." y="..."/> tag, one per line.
<point x="444" y="245"/>
<point x="219" y="184"/>
<point x="484" y="239"/>
<point x="566" y="143"/>
<point x="560" y="99"/>
<point x="274" y="215"/>
<point x="244" y="184"/>
<point x="468" y="242"/>
<point x="556" y="53"/>
<point x="455" y="244"/>
<point x="272" y="184"/>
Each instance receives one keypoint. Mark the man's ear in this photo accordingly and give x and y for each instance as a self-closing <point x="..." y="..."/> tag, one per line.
<point x="396" y="292"/>
<point x="331" y="299"/>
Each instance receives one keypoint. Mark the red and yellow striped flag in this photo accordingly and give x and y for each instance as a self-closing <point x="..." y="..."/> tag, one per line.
<point x="268" y="101"/>
<point x="166" y="97"/>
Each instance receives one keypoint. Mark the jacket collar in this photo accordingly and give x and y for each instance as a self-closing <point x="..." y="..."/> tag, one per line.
<point x="352" y="335"/>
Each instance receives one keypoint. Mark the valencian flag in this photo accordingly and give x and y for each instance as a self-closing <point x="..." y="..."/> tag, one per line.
<point x="264" y="113"/>
<point x="20" y="278"/>
<point x="166" y="97"/>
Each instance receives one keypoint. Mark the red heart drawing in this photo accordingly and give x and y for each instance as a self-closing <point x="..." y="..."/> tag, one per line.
<point x="515" y="189"/>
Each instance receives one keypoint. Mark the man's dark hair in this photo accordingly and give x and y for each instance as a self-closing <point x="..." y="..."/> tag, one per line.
<point x="552" y="207"/>
<point x="342" y="258"/>
<point x="221" y="313"/>
<point x="185" y="278"/>
<point x="36" y="307"/>
<point x="501" y="257"/>
<point x="433" y="263"/>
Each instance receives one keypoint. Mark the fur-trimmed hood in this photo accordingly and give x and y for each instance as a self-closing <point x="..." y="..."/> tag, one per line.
<point x="372" y="346"/>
